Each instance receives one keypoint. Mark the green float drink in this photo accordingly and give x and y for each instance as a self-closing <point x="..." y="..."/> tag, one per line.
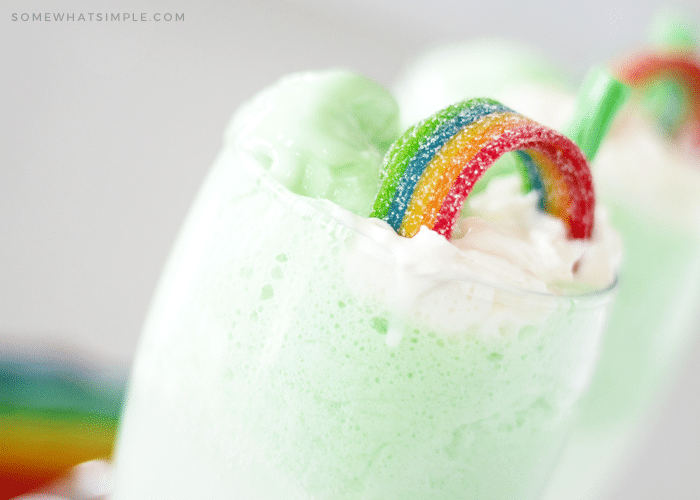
<point x="651" y="189"/>
<point x="654" y="202"/>
<point x="296" y="349"/>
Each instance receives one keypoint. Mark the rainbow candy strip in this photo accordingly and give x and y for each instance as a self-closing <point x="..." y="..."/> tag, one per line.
<point x="679" y="68"/>
<point x="54" y="415"/>
<point x="430" y="170"/>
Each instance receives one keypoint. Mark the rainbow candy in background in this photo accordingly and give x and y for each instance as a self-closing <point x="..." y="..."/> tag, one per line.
<point x="666" y="78"/>
<point x="56" y="411"/>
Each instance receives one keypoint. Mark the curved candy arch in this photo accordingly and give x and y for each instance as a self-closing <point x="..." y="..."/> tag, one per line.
<point x="682" y="68"/>
<point x="431" y="169"/>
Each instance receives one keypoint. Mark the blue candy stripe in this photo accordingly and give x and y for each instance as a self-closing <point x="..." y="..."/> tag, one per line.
<point x="534" y="178"/>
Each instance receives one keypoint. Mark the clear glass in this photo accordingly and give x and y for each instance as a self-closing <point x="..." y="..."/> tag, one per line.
<point x="269" y="370"/>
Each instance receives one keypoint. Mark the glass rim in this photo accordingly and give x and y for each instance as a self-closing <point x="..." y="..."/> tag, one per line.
<point x="308" y="207"/>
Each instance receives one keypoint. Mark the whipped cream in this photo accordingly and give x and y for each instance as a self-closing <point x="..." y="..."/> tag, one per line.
<point x="504" y="250"/>
<point x="504" y="239"/>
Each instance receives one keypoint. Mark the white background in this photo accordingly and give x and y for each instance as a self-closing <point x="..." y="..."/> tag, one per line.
<point x="107" y="129"/>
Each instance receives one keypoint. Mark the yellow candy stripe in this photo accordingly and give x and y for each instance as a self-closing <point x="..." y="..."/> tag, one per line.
<point x="447" y="165"/>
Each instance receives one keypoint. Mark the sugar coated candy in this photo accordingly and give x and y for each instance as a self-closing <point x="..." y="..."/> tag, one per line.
<point x="430" y="170"/>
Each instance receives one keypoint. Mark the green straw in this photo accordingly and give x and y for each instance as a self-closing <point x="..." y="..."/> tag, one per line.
<point x="600" y="98"/>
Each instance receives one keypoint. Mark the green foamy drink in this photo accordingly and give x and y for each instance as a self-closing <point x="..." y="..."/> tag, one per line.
<point x="298" y="349"/>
